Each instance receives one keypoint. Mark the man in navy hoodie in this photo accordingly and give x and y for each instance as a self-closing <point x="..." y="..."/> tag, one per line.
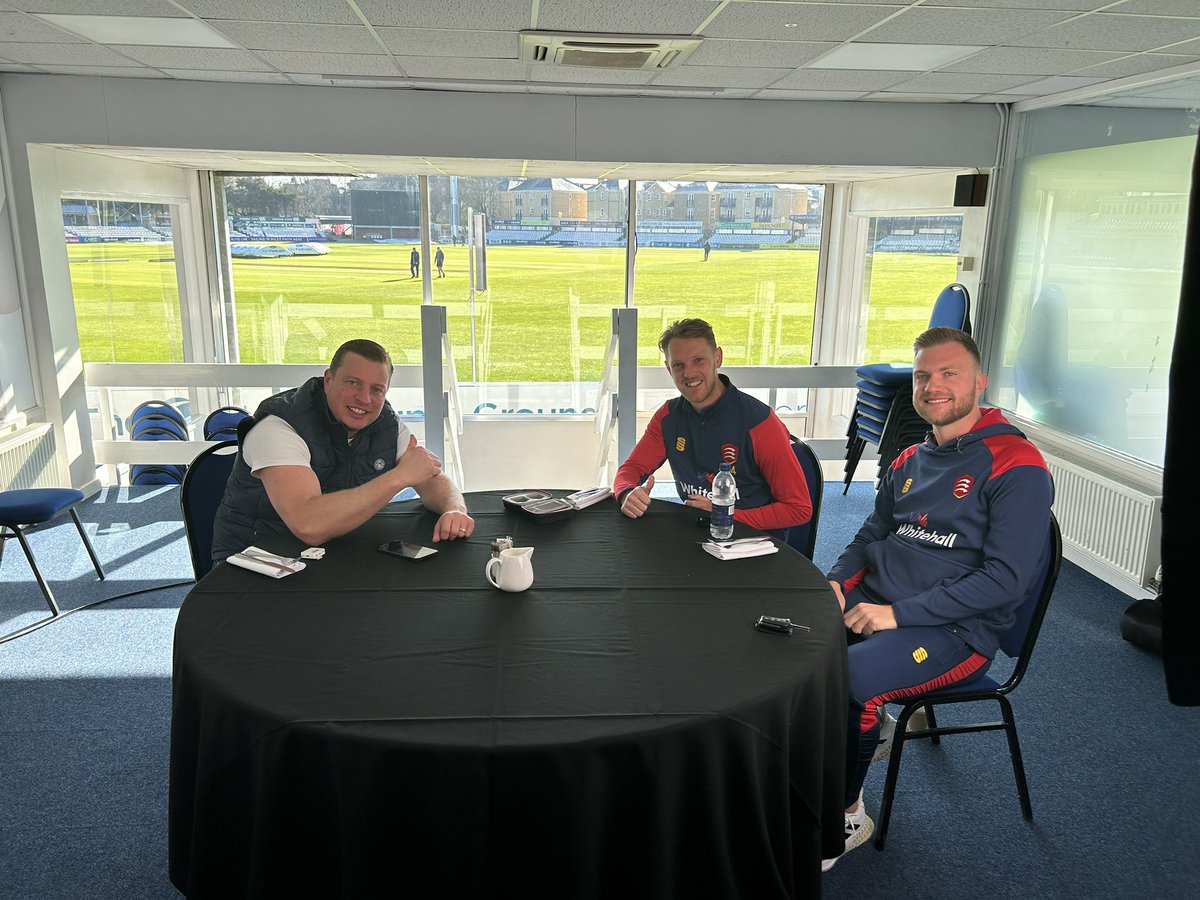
<point x="934" y="577"/>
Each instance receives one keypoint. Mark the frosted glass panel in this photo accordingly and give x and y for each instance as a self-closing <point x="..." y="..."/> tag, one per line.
<point x="1093" y="276"/>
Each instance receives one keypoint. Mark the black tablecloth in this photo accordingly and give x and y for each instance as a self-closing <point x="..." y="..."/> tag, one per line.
<point x="374" y="726"/>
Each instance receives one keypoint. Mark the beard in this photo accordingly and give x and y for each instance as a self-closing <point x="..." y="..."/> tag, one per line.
<point x="945" y="414"/>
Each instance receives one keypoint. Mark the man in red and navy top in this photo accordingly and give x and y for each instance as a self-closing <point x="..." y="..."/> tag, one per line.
<point x="958" y="538"/>
<point x="709" y="423"/>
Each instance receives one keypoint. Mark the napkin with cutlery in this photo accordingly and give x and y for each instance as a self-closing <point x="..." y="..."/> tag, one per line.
<point x="741" y="548"/>
<point x="258" y="560"/>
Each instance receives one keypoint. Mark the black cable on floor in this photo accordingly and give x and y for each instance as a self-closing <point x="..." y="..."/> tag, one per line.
<point x="28" y="629"/>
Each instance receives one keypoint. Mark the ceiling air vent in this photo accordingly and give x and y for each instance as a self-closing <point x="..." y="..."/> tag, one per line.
<point x="606" y="51"/>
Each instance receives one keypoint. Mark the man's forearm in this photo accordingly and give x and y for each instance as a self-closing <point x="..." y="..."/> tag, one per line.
<point x="439" y="495"/>
<point x="326" y="516"/>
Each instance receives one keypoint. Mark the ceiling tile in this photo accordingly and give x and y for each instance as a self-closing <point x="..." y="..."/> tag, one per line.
<point x="766" y="21"/>
<point x="314" y="12"/>
<point x="962" y="83"/>
<point x="896" y="97"/>
<point x="1030" y="60"/>
<point x="319" y="38"/>
<point x="1137" y="65"/>
<point x="194" y="58"/>
<point x="999" y="98"/>
<point x="841" y="80"/>
<point x="210" y="75"/>
<point x="624" y="16"/>
<point x="442" y="42"/>
<point x="1159" y="8"/>
<point x="511" y="15"/>
<point x="581" y="75"/>
<point x="1070" y="5"/>
<point x="961" y="26"/>
<point x="99" y="7"/>
<point x="482" y="69"/>
<point x="1192" y="47"/>
<point x="332" y="63"/>
<point x="776" y="94"/>
<point x="1054" y="85"/>
<point x="1105" y="31"/>
<point x="764" y="54"/>
<point x="720" y="76"/>
<point x="108" y="71"/>
<point x="15" y="67"/>
<point x="62" y="54"/>
<point x="15" y="26"/>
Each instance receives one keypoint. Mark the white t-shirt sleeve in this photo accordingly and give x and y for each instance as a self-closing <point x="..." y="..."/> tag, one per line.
<point x="402" y="440"/>
<point x="273" y="442"/>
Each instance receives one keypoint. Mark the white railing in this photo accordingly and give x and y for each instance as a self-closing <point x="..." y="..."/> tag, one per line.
<point x="222" y="377"/>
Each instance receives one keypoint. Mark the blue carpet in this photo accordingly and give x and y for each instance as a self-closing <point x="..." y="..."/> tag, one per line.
<point x="85" y="718"/>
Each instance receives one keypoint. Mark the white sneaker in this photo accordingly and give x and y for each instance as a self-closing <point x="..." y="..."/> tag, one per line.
<point x="858" y="829"/>
<point x="887" y="731"/>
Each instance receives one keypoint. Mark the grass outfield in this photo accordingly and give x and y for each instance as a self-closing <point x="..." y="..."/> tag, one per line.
<point x="545" y="316"/>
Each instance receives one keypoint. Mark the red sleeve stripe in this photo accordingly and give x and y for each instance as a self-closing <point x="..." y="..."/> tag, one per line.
<point x="904" y="456"/>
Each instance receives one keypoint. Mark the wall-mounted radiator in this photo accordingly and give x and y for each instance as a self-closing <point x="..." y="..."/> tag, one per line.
<point x="27" y="458"/>
<point x="1116" y="528"/>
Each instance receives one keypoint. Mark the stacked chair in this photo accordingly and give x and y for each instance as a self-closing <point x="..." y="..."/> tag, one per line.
<point x="157" y="420"/>
<point x="222" y="424"/>
<point x="883" y="410"/>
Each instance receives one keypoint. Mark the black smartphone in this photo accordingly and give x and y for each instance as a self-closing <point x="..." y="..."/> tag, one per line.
<point x="405" y="550"/>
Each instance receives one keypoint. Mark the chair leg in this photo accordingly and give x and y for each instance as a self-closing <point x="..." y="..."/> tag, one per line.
<point x="853" y="455"/>
<point x="929" y="717"/>
<point x="889" y="787"/>
<point x="1014" y="750"/>
<point x="88" y="544"/>
<point x="37" y="573"/>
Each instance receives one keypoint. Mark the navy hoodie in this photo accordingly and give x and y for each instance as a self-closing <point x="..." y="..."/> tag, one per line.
<point x="959" y="534"/>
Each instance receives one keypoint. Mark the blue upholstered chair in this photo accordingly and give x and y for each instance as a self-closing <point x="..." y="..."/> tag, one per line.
<point x="1017" y="644"/>
<point x="222" y="424"/>
<point x="200" y="495"/>
<point x="28" y="508"/>
<point x="157" y="424"/>
<point x="157" y="408"/>
<point x="883" y="411"/>
<point x="804" y="537"/>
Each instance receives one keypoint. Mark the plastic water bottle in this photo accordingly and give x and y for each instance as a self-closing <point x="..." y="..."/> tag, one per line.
<point x="724" y="495"/>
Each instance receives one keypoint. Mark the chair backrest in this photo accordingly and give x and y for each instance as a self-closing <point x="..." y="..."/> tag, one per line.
<point x="222" y="423"/>
<point x="158" y="408"/>
<point x="804" y="537"/>
<point x="952" y="309"/>
<point x="157" y="424"/>
<point x="201" y="493"/>
<point x="155" y="474"/>
<point x="1018" y="641"/>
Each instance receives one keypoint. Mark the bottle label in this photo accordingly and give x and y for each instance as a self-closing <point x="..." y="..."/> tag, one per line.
<point x="722" y="516"/>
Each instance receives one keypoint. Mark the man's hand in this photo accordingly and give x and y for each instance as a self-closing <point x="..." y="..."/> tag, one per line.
<point x="867" y="618"/>
<point x="452" y="525"/>
<point x="837" y="589"/>
<point x="637" y="501"/>
<point x="417" y="465"/>
<point x="699" y="501"/>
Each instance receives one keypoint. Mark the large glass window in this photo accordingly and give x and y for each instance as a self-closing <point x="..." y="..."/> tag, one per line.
<point x="909" y="260"/>
<point x="123" y="280"/>
<point x="1093" y="274"/>
<point x="531" y="270"/>
<point x="744" y="257"/>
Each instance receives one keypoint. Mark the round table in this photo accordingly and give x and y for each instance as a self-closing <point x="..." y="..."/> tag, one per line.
<point x="374" y="726"/>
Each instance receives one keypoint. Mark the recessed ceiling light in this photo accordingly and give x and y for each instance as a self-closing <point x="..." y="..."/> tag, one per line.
<point x="892" y="57"/>
<point x="791" y="24"/>
<point x="150" y="31"/>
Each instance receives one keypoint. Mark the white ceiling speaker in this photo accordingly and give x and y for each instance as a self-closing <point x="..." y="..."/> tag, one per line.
<point x="606" y="51"/>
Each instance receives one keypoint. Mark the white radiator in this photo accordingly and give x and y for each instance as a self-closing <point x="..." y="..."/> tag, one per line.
<point x="1117" y="529"/>
<point x="27" y="458"/>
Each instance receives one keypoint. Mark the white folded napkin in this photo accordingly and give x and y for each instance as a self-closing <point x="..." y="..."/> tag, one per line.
<point x="258" y="560"/>
<point x="741" y="549"/>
